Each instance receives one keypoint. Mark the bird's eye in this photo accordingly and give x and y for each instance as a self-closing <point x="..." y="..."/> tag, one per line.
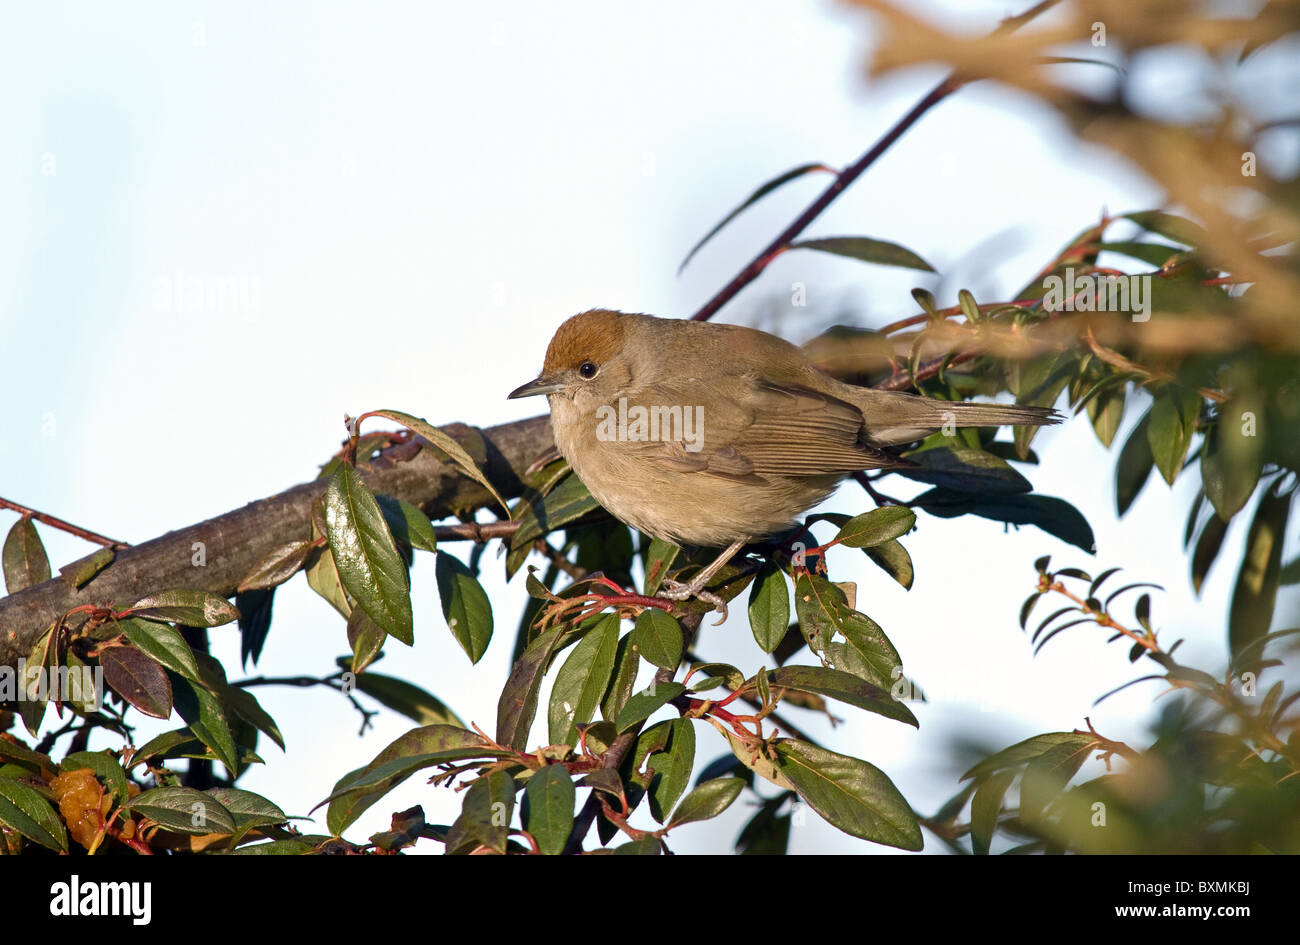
<point x="587" y="369"/>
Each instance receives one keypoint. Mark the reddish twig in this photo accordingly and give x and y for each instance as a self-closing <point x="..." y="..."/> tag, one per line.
<point x="63" y="526"/>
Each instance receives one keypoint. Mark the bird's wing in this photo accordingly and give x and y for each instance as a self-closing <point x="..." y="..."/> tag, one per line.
<point x="749" y="427"/>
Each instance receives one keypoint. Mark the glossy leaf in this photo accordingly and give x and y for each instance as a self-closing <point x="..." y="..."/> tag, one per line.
<point x="183" y="810"/>
<point x="672" y="768"/>
<point x="369" y="565"/>
<point x="23" y="809"/>
<point x="276" y="566"/>
<point x="642" y="704"/>
<point x="163" y="643"/>
<point x="518" y="703"/>
<point x="190" y="608"/>
<point x="769" y="607"/>
<point x="447" y="445"/>
<point x="850" y="794"/>
<point x="877" y="526"/>
<point x="843" y="687"/>
<point x="627" y="662"/>
<point x="582" y="680"/>
<point x="465" y="606"/>
<point x="137" y="679"/>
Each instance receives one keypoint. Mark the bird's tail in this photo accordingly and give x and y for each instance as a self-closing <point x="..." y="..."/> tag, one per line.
<point x="893" y="417"/>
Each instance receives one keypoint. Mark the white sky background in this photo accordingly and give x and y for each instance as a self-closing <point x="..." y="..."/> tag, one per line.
<point x="415" y="196"/>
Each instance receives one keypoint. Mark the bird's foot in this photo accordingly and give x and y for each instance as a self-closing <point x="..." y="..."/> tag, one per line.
<point x="677" y="590"/>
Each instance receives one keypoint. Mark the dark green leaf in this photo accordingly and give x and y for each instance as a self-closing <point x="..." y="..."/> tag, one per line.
<point x="548" y="811"/>
<point x="1172" y="422"/>
<point x="850" y="794"/>
<point x="706" y="801"/>
<point x="1133" y="468"/>
<point x="892" y="558"/>
<point x="877" y="526"/>
<point x="412" y="701"/>
<point x="184" y="810"/>
<point x="642" y="704"/>
<point x="1207" y="549"/>
<point x="485" y="815"/>
<point x="465" y="606"/>
<point x="1255" y="593"/>
<point x="582" y="681"/>
<point x="672" y="768"/>
<point x="24" y="809"/>
<point x="137" y="679"/>
<point x="276" y="566"/>
<point x="190" y="608"/>
<point x="162" y="642"/>
<point x="518" y="703"/>
<point x="843" y="687"/>
<point x="769" y="607"/>
<point x="369" y="565"/>
<point x="626" y="664"/>
<point x="1027" y="750"/>
<point x="658" y="638"/>
<point x="985" y="807"/>
<point x="965" y="470"/>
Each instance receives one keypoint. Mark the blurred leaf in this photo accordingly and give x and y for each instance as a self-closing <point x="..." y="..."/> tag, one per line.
<point x="1134" y="465"/>
<point x="1207" y="549"/>
<point x="23" y="556"/>
<point x="966" y="470"/>
<point x="768" y="831"/>
<point x="1106" y="411"/>
<point x="1172" y="422"/>
<point x="1054" y="516"/>
<point x="866" y="250"/>
<point x="1233" y="456"/>
<point x="1251" y="610"/>
<point x="369" y="566"/>
<point x="1023" y="752"/>
<point x="465" y="606"/>
<point x="1176" y="228"/>
<point x="985" y="807"/>
<point x="749" y="201"/>
<point x="412" y="701"/>
<point x="80" y="572"/>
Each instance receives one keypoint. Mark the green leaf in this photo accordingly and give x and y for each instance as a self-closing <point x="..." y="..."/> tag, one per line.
<point x="518" y="703"/>
<point x="843" y="687"/>
<point x="1133" y="468"/>
<point x="768" y="832"/>
<point x="548" y="811"/>
<point x="183" y="810"/>
<point x="877" y="526"/>
<point x="963" y="469"/>
<point x="1153" y="254"/>
<point x="627" y="663"/>
<point x="892" y="558"/>
<point x="642" y="704"/>
<point x="412" y="701"/>
<point x="582" y="681"/>
<point x="672" y="768"/>
<point x="1106" y="411"/>
<point x="867" y="250"/>
<point x="80" y="572"/>
<point x="1176" y="228"/>
<point x="23" y="557"/>
<point x="706" y="801"/>
<point x="246" y="808"/>
<point x="24" y="809"/>
<point x="203" y="712"/>
<point x="567" y="502"/>
<point x="658" y="638"/>
<point x="646" y="846"/>
<point x="850" y="794"/>
<point x="276" y="566"/>
<point x="1255" y="593"/>
<point x="485" y="815"/>
<point x="659" y="558"/>
<point x="749" y="201"/>
<point x="1233" y="456"/>
<point x="866" y="652"/>
<point x="366" y="639"/>
<point x="323" y="578"/>
<point x="190" y="608"/>
<point x="465" y="606"/>
<point x="1046" y="776"/>
<point x="1172" y="422"/>
<point x="419" y="748"/>
<point x="449" y="446"/>
<point x="985" y="808"/>
<point x="1027" y="750"/>
<point x="162" y="642"/>
<point x="369" y="565"/>
<point x="769" y="607"/>
<point x="137" y="679"/>
<point x="408" y="524"/>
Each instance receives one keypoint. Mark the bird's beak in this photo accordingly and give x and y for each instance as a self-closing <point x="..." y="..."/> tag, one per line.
<point x="542" y="385"/>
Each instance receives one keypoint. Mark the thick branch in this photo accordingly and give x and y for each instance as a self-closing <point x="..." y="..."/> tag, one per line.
<point x="232" y="543"/>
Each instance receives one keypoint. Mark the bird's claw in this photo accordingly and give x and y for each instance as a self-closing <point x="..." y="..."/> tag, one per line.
<point x="677" y="590"/>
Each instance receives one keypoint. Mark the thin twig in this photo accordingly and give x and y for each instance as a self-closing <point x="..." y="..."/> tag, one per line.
<point x="61" y="525"/>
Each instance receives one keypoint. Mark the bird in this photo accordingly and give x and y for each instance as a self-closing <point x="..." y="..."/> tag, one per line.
<point x="716" y="435"/>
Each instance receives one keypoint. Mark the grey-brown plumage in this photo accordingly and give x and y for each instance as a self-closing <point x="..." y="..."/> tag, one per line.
<point x="775" y="434"/>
